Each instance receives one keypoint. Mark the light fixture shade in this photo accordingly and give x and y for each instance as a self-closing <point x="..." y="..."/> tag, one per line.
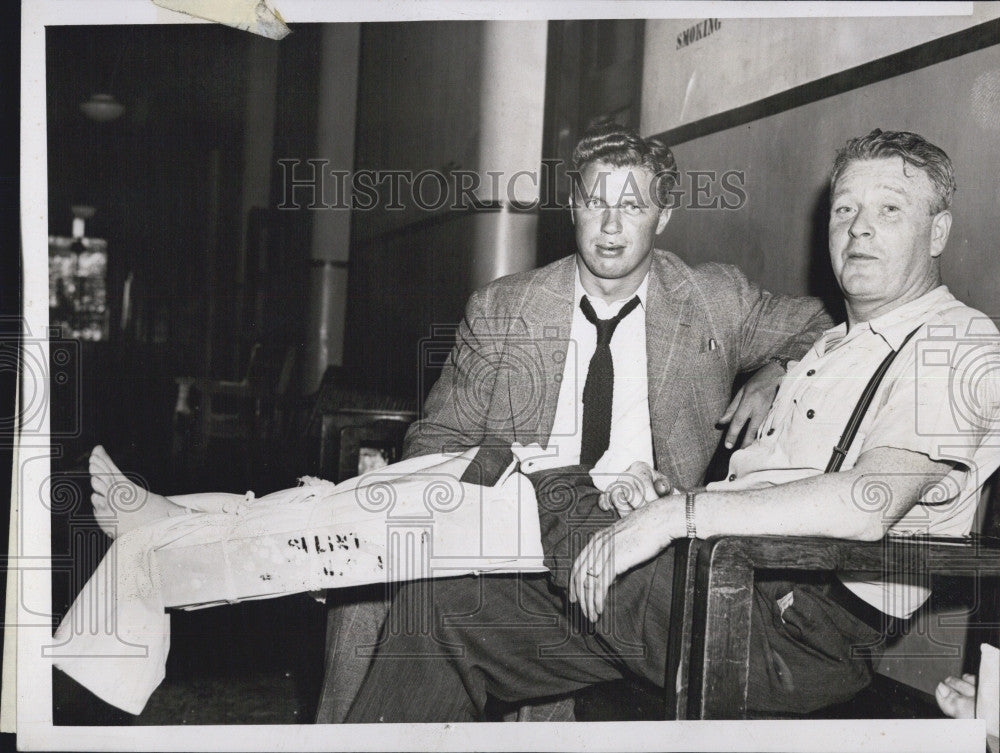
<point x="102" y="108"/>
<point x="81" y="213"/>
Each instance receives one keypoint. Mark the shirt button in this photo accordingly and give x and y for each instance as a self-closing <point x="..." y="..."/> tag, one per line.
<point x="770" y="432"/>
<point x="732" y="477"/>
<point x="810" y="372"/>
<point x="810" y="413"/>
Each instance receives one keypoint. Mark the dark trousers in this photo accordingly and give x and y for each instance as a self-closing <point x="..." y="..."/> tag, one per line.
<point x="449" y="643"/>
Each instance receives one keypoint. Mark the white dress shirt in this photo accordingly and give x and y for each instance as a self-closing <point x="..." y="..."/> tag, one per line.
<point x="631" y="438"/>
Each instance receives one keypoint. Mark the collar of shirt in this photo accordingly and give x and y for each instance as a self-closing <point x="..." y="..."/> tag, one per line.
<point x="631" y="437"/>
<point x="608" y="310"/>
<point x="892" y="327"/>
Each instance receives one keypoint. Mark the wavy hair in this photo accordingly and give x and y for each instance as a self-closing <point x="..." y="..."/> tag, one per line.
<point x="619" y="146"/>
<point x="914" y="149"/>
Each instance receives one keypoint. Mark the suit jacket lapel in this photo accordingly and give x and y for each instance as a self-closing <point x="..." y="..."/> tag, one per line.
<point x="667" y="331"/>
<point x="548" y="306"/>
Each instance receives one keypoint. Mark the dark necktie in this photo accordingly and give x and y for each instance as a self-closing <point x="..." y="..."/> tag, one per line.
<point x="597" y="390"/>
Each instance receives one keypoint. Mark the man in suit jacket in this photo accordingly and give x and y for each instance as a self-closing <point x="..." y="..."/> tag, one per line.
<point x="703" y="326"/>
<point x="925" y="443"/>
<point x="519" y="365"/>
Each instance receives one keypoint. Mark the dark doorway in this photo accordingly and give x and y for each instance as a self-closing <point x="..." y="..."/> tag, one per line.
<point x="594" y="73"/>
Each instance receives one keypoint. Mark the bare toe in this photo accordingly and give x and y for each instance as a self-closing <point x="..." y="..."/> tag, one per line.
<point x="102" y="471"/>
<point x="121" y="504"/>
<point x="114" y="494"/>
<point x="101" y="454"/>
<point x="95" y="466"/>
<point x="98" y="482"/>
<point x="964" y="686"/>
<point x="101" y="462"/>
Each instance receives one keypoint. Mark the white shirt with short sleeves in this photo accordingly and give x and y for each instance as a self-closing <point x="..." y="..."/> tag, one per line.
<point x="940" y="397"/>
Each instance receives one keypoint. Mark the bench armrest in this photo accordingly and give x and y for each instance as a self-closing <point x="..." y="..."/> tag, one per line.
<point x="723" y="595"/>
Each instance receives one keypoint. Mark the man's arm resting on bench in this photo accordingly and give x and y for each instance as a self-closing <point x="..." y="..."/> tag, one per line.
<point x="822" y="505"/>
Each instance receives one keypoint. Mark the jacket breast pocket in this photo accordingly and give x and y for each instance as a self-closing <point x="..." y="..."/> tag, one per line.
<point x="709" y="374"/>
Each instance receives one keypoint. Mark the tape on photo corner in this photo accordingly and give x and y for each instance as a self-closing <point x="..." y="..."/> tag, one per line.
<point x="255" y="16"/>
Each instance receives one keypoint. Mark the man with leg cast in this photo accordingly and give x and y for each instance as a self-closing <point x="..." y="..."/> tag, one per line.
<point x="666" y="340"/>
<point x="919" y="453"/>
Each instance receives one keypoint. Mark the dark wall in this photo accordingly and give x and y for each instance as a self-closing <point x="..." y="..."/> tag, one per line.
<point x="148" y="176"/>
<point x="779" y="235"/>
<point x="166" y="179"/>
<point x="148" y="173"/>
<point x="418" y="109"/>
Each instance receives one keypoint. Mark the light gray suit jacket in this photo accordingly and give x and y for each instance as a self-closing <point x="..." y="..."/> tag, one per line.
<point x="502" y="377"/>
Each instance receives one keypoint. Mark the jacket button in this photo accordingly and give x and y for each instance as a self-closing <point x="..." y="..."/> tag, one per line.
<point x="810" y="413"/>
<point x="732" y="477"/>
<point x="770" y="431"/>
<point x="810" y="372"/>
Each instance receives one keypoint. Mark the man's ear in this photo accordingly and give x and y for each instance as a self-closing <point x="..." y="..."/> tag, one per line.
<point x="663" y="219"/>
<point x="940" y="227"/>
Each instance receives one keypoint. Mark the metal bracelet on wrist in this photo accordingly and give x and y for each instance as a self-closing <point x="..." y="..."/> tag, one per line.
<point x="692" y="532"/>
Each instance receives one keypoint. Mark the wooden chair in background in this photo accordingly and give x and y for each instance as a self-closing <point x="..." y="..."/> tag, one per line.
<point x="358" y="430"/>
<point x="232" y="410"/>
<point x="209" y="410"/>
<point x="372" y="419"/>
<point x="282" y="404"/>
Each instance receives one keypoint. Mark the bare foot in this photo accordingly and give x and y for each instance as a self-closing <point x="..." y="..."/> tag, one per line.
<point x="121" y="505"/>
<point x="956" y="696"/>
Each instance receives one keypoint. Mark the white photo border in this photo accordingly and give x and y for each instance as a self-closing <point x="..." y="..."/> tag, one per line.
<point x="31" y="458"/>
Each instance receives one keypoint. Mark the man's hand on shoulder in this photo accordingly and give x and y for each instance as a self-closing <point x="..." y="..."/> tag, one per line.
<point x="751" y="404"/>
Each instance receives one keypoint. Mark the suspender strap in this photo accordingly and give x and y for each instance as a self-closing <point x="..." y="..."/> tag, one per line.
<point x="840" y="451"/>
